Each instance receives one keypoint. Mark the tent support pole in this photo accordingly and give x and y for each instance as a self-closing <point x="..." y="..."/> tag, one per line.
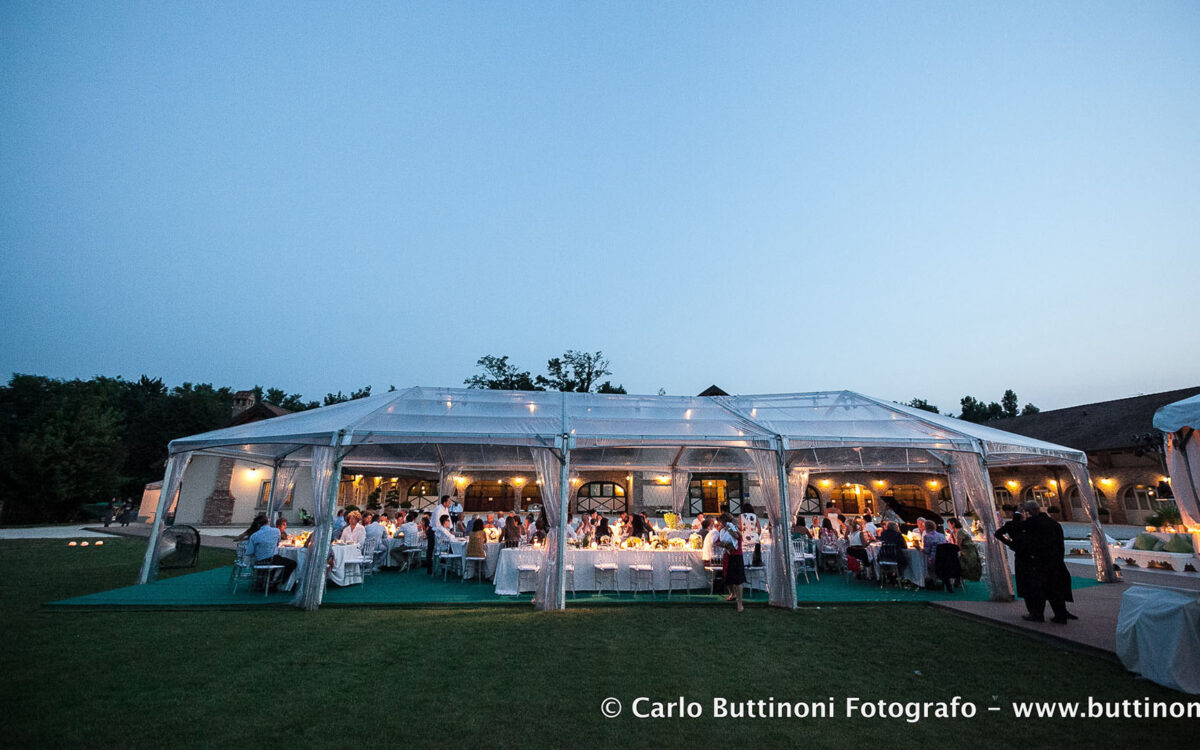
<point x="560" y="561"/>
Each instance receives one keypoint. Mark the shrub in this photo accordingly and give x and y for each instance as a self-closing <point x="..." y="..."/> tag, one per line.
<point x="1167" y="514"/>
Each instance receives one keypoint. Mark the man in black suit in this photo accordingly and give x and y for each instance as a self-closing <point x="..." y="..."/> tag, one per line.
<point x="1050" y="577"/>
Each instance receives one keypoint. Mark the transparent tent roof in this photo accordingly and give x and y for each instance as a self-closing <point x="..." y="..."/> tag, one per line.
<point x="427" y="428"/>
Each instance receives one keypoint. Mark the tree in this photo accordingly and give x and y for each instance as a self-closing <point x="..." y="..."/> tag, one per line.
<point x="1009" y="402"/>
<point x="608" y="387"/>
<point x="920" y="403"/>
<point x="577" y="372"/>
<point x="499" y="375"/>
<point x="289" y="401"/>
<point x="341" y="398"/>
<point x="974" y="410"/>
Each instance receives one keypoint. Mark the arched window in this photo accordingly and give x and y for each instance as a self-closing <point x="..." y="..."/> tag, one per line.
<point x="944" y="502"/>
<point x="1138" y="497"/>
<point x="1003" y="497"/>
<point x="423" y="494"/>
<point x="909" y="494"/>
<point x="487" y="495"/>
<point x="853" y="499"/>
<point x="811" y="504"/>
<point x="606" y="497"/>
<point x="1075" y="500"/>
<point x="1043" y="495"/>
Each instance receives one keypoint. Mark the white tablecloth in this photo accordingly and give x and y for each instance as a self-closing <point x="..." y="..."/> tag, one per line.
<point x="585" y="560"/>
<point x="1158" y="636"/>
<point x="916" y="569"/>
<point x="338" y="574"/>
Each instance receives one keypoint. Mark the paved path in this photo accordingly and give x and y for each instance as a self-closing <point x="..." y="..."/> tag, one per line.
<point x="57" y="532"/>
<point x="1096" y="606"/>
<point x="143" y="531"/>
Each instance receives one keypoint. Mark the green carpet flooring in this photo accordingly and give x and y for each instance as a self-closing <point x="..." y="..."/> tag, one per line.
<point x="211" y="588"/>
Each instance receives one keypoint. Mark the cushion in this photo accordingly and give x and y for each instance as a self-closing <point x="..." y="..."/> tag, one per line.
<point x="1146" y="542"/>
<point x="1179" y="543"/>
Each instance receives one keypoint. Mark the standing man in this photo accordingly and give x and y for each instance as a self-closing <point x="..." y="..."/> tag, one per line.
<point x="456" y="510"/>
<point x="1052" y="580"/>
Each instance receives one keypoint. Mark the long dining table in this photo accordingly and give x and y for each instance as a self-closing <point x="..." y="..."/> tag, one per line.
<point x="339" y="574"/>
<point x="584" y="561"/>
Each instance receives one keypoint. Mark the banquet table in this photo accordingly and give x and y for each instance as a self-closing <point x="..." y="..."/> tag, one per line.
<point x="338" y="574"/>
<point x="584" y="561"/>
<point x="914" y="571"/>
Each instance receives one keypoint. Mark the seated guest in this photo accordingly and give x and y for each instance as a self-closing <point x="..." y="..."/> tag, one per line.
<point x="602" y="529"/>
<point x="375" y="530"/>
<point x="571" y="533"/>
<point x="869" y="525"/>
<point x="930" y="540"/>
<point x="513" y="534"/>
<point x="698" y="524"/>
<point x="445" y="533"/>
<point x="528" y="529"/>
<point x="799" y="531"/>
<point x="829" y="536"/>
<point x="968" y="551"/>
<point x="477" y="540"/>
<point x="339" y="523"/>
<point x="354" y="531"/>
<point x="490" y="523"/>
<point x="891" y="536"/>
<point x="281" y="524"/>
<point x="856" y="543"/>
<point x="501" y="522"/>
<point x="638" y="528"/>
<point x="264" y="544"/>
<point x="259" y="521"/>
<point x="410" y="534"/>
<point x="460" y="524"/>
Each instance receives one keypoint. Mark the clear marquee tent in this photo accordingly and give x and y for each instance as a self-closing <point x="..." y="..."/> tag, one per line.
<point x="783" y="438"/>
<point x="1181" y="423"/>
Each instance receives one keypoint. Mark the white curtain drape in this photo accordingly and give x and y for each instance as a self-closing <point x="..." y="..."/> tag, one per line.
<point x="1100" y="552"/>
<point x="446" y="484"/>
<point x="961" y="497"/>
<point x="968" y="470"/>
<point x="325" y="466"/>
<point x="281" y="484"/>
<point x="176" y="465"/>
<point x="680" y="481"/>
<point x="1183" y="463"/>
<point x="797" y="489"/>
<point x="780" y="584"/>
<point x="549" y="470"/>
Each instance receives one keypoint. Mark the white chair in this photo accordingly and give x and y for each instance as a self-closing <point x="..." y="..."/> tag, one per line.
<point x="524" y="572"/>
<point x="753" y="571"/>
<point x="678" y="566"/>
<point x="243" y="566"/>
<point x="804" y="557"/>
<point x="713" y="567"/>
<point x="478" y="565"/>
<point x="368" y="566"/>
<point x="446" y="558"/>
<point x="641" y="574"/>
<point x="570" y="577"/>
<point x="606" y="570"/>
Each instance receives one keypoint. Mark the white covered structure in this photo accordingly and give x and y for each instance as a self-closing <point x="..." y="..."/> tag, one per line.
<point x="781" y="437"/>
<point x="1181" y="423"/>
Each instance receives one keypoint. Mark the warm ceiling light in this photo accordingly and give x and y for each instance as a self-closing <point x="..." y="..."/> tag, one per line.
<point x="825" y="482"/>
<point x="1011" y="483"/>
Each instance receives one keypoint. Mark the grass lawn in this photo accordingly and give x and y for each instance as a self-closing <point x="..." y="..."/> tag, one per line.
<point x="511" y="677"/>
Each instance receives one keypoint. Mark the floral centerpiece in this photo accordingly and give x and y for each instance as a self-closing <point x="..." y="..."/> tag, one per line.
<point x="671" y="520"/>
<point x="492" y="533"/>
<point x="676" y="544"/>
<point x="696" y="541"/>
<point x="633" y="542"/>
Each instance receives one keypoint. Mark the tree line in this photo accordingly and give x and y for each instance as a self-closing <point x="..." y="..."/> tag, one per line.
<point x="975" y="410"/>
<point x="65" y="444"/>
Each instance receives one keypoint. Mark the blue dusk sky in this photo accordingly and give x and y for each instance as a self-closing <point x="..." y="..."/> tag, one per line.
<point x="905" y="199"/>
